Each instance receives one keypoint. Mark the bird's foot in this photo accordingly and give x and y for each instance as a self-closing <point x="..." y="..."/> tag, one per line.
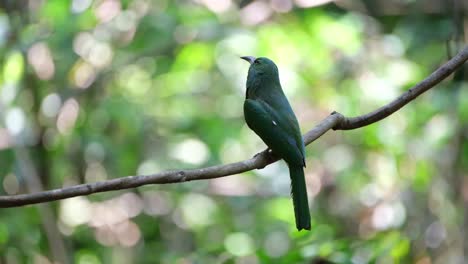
<point x="268" y="155"/>
<point x="266" y="152"/>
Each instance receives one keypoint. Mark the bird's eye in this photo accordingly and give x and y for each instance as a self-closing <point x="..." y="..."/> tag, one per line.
<point x="256" y="61"/>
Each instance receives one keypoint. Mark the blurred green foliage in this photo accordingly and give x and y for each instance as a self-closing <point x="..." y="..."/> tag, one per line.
<point x="98" y="89"/>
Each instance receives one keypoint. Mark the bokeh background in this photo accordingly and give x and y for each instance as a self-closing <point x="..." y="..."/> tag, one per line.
<point x="92" y="90"/>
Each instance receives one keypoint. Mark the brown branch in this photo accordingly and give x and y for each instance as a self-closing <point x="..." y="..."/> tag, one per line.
<point x="388" y="109"/>
<point x="335" y="121"/>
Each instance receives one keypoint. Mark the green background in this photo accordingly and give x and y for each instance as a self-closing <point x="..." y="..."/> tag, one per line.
<point x="96" y="90"/>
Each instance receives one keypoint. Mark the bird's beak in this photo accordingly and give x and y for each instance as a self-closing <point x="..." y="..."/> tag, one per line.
<point x="250" y="59"/>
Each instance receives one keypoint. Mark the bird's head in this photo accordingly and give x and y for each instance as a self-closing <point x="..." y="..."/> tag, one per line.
<point x="261" y="66"/>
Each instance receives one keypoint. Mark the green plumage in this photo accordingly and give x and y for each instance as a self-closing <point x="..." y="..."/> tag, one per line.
<point x="269" y="114"/>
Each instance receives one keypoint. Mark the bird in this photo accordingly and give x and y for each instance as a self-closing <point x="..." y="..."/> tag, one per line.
<point x="268" y="113"/>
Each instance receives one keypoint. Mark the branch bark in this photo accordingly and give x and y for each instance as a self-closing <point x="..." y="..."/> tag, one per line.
<point x="335" y="121"/>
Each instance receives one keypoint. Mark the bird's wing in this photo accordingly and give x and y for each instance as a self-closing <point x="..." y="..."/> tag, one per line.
<point x="280" y="105"/>
<point x="273" y="130"/>
<point x="290" y="123"/>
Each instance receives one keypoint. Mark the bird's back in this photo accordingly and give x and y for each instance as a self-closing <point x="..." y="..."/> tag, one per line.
<point x="287" y="129"/>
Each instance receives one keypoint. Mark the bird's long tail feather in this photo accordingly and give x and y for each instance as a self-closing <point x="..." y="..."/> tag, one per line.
<point x="299" y="197"/>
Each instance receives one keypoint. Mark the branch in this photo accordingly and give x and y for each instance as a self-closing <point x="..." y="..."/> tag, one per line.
<point x="335" y="121"/>
<point x="436" y="77"/>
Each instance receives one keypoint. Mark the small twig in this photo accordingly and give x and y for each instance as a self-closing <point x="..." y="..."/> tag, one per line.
<point x="335" y="121"/>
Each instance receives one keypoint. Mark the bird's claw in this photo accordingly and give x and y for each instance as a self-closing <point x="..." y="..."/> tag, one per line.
<point x="267" y="151"/>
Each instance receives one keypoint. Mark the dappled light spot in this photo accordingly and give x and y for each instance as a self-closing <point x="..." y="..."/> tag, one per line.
<point x="311" y="3"/>
<point x="98" y="53"/>
<point x="228" y="106"/>
<point x="390" y="132"/>
<point x="375" y="88"/>
<point x="135" y="80"/>
<point x="86" y="257"/>
<point x="195" y="58"/>
<point x="281" y="6"/>
<point x="371" y="194"/>
<point x="8" y="92"/>
<point x="116" y="210"/>
<point x="191" y="206"/>
<point x="10" y="184"/>
<point x="128" y="233"/>
<point x="338" y="158"/>
<point x="383" y="169"/>
<point x="290" y="79"/>
<point x="178" y="219"/>
<point x="273" y="171"/>
<point x="147" y="167"/>
<point x="111" y="218"/>
<point x="130" y="203"/>
<point x="67" y="116"/>
<point x="107" y="10"/>
<point x="277" y="179"/>
<point x="388" y="215"/>
<point x="435" y="234"/>
<point x="82" y="43"/>
<point x="79" y="6"/>
<point x="277" y="244"/>
<point x="231" y="48"/>
<point x="13" y="67"/>
<point x="65" y="229"/>
<point x="95" y="172"/>
<point x="217" y="6"/>
<point x="233" y="186"/>
<point x="75" y="211"/>
<point x="344" y="34"/>
<point x="157" y="203"/>
<point x="192" y="151"/>
<point x="362" y="255"/>
<point x="15" y="120"/>
<point x="438" y="128"/>
<point x="40" y="58"/>
<point x="126" y="21"/>
<point x="51" y="104"/>
<point x="314" y="183"/>
<point x="83" y="74"/>
<point x="310" y="250"/>
<point x="141" y="7"/>
<point x="406" y="71"/>
<point x="105" y="236"/>
<point x="281" y="209"/>
<point x="392" y="45"/>
<point x="239" y="244"/>
<point x="6" y="140"/>
<point x="105" y="32"/>
<point x="94" y="152"/>
<point x="255" y="13"/>
<point x="4" y="28"/>
<point x="232" y="151"/>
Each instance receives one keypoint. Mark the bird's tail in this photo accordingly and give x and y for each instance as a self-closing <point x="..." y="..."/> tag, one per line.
<point x="299" y="197"/>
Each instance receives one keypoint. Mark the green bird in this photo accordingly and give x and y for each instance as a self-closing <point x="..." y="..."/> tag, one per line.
<point x="268" y="113"/>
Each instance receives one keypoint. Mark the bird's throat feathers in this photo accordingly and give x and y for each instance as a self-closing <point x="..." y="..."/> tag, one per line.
<point x="262" y="81"/>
